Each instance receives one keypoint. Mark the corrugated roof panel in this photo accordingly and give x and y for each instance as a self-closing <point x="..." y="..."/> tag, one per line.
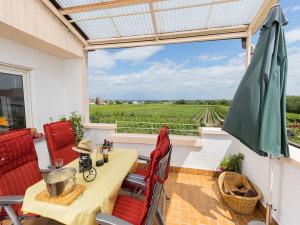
<point x="134" y="25"/>
<point x="250" y="9"/>
<point x="182" y="19"/>
<point x="90" y="14"/>
<point x="99" y="29"/>
<point x="178" y="3"/>
<point x="142" y="8"/>
<point x="129" y="9"/>
<point x="233" y="13"/>
<point x="171" y="18"/>
<point x="70" y="3"/>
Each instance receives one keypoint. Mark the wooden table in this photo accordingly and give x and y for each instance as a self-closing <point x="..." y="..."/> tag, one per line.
<point x="99" y="195"/>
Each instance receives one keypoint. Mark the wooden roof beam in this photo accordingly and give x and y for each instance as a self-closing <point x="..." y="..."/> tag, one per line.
<point x="171" y="35"/>
<point x="261" y="15"/>
<point x="153" y="20"/>
<point x="122" y="3"/>
<point x="212" y="37"/>
<point x="103" y="5"/>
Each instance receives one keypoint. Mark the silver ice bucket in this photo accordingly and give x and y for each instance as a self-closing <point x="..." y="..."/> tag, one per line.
<point x="61" y="182"/>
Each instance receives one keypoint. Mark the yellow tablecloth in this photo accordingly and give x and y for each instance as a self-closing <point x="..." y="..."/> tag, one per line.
<point x="99" y="195"/>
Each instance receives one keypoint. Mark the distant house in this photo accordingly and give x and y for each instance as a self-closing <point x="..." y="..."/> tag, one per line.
<point x="135" y="102"/>
<point x="91" y="101"/>
<point x="100" y="101"/>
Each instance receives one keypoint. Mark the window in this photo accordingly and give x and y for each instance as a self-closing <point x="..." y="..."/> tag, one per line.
<point x="14" y="97"/>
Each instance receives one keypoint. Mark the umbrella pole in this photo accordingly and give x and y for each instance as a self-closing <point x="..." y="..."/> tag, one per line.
<point x="270" y="189"/>
<point x="268" y="217"/>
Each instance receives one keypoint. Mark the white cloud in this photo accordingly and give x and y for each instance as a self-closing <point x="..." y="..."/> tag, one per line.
<point x="105" y="60"/>
<point x="169" y="80"/>
<point x="136" y="54"/>
<point x="209" y="58"/>
<point x="294" y="8"/>
<point x="101" y="59"/>
<point x="293" y="35"/>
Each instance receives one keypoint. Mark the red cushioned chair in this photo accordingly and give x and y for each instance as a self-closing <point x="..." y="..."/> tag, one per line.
<point x="18" y="170"/>
<point x="130" y="210"/>
<point x="164" y="133"/>
<point x="60" y="139"/>
<point x="143" y="173"/>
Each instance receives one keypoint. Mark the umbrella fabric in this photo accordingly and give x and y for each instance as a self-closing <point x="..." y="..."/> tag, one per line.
<point x="257" y="116"/>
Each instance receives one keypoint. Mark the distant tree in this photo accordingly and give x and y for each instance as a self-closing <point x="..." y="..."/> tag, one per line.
<point x="119" y="102"/>
<point x="181" y="102"/>
<point x="97" y="101"/>
<point x="293" y="104"/>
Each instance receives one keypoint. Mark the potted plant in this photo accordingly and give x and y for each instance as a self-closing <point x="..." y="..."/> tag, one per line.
<point x="232" y="163"/>
<point x="3" y="124"/>
<point x="75" y="119"/>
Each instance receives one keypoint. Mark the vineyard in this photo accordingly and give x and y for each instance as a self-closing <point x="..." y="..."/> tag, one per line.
<point x="148" y="118"/>
<point x="293" y="121"/>
<point x="182" y="119"/>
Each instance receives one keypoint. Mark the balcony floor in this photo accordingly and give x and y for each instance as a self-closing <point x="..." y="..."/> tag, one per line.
<point x="195" y="200"/>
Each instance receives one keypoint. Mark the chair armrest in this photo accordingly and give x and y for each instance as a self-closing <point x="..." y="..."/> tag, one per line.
<point x="106" y="219"/>
<point x="11" y="199"/>
<point x="136" y="181"/>
<point x="135" y="176"/>
<point x="144" y="158"/>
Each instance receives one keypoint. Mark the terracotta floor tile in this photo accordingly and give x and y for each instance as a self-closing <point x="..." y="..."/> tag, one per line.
<point x="199" y="202"/>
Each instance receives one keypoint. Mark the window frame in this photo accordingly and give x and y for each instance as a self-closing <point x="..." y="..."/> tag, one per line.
<point x="25" y="73"/>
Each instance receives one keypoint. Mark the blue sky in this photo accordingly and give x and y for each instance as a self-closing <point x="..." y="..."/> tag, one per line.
<point x="200" y="70"/>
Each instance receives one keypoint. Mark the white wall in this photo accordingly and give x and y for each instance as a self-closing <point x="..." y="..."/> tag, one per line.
<point x="30" y="22"/>
<point x="55" y="82"/>
<point x="286" y="183"/>
<point x="55" y="85"/>
<point x="208" y="157"/>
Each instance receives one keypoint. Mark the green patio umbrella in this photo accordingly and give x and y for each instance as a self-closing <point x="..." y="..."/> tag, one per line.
<point x="257" y="113"/>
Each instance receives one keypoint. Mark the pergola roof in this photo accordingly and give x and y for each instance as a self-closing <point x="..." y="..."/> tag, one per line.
<point x="125" y="23"/>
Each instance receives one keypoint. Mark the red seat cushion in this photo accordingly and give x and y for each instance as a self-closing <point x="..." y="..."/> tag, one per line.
<point x="162" y="135"/>
<point x="142" y="171"/>
<point x="129" y="209"/>
<point x="64" y="137"/>
<point x="66" y="153"/>
<point x="60" y="139"/>
<point x="18" y="164"/>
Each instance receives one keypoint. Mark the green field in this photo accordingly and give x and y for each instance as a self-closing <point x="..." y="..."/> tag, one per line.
<point x="182" y="119"/>
<point x="293" y="121"/>
<point x="148" y="118"/>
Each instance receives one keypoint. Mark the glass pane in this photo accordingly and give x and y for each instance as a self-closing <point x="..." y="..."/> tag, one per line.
<point x="12" y="105"/>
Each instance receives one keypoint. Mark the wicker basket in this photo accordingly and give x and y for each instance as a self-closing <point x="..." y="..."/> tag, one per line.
<point x="240" y="204"/>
